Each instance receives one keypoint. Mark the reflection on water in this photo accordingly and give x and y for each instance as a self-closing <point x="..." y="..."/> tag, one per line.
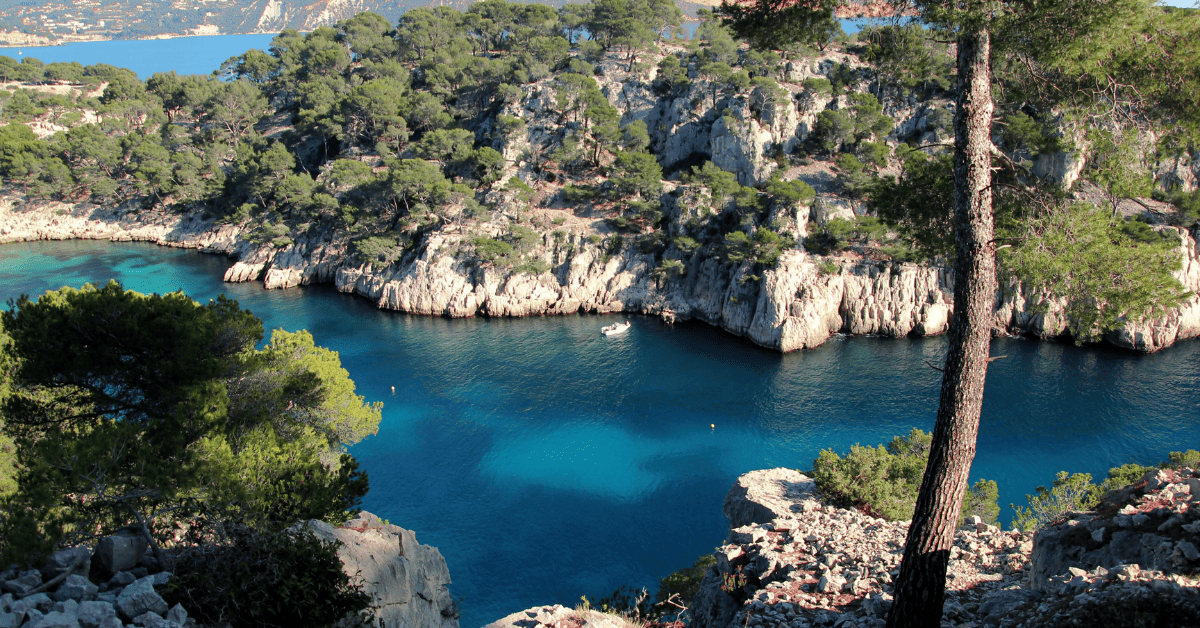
<point x="547" y="461"/>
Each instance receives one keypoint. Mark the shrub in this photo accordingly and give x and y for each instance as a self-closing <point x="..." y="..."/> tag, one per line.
<point x="285" y="578"/>
<point x="490" y="250"/>
<point x="828" y="268"/>
<point x="524" y="192"/>
<point x="686" y="582"/>
<point x="1076" y="493"/>
<point x="818" y="85"/>
<point x="378" y="250"/>
<point x="884" y="481"/>
<point x="532" y="266"/>
<point x="686" y="245"/>
<point x="578" y="193"/>
<point x="1070" y="493"/>
<point x="1181" y="459"/>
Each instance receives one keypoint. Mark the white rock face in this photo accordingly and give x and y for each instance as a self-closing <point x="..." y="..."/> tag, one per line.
<point x="558" y="616"/>
<point x="407" y="581"/>
<point x="798" y="304"/>
<point x="791" y="559"/>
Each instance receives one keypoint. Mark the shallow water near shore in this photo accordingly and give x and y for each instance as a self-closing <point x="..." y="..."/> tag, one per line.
<point x="547" y="461"/>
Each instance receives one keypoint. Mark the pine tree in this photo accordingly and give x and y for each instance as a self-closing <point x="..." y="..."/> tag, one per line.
<point x="1075" y="49"/>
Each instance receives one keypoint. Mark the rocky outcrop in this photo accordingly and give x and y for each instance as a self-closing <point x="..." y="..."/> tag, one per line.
<point x="71" y="600"/>
<point x="1154" y="523"/>
<point x="798" y="304"/>
<point x="408" y="582"/>
<point x="559" y="616"/>
<point x="793" y="561"/>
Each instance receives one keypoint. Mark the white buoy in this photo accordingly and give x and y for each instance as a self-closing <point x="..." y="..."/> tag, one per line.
<point x="393" y="390"/>
<point x="712" y="426"/>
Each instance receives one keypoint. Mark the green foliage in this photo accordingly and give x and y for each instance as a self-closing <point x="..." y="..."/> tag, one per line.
<point x="789" y="193"/>
<point x="577" y="194"/>
<point x="884" y="481"/>
<point x="841" y="232"/>
<point x="1181" y="459"/>
<point x="832" y="129"/>
<point x="524" y="192"/>
<point x="1070" y="493"/>
<point x="764" y="248"/>
<point x="818" y="85"/>
<point x="777" y="25"/>
<point x="490" y="250"/>
<point x="982" y="500"/>
<point x="248" y="578"/>
<point x="1109" y="270"/>
<point x="531" y="266"/>
<point x="685" y="583"/>
<point x="636" y="174"/>
<point x="124" y="406"/>
<point x="1119" y="166"/>
<point x="907" y="57"/>
<point x="920" y="203"/>
<point x="828" y="268"/>
<point x="686" y="245"/>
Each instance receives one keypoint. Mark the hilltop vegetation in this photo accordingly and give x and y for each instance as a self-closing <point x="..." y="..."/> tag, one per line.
<point x="515" y="136"/>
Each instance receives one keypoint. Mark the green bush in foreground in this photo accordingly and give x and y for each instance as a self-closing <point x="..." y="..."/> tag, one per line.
<point x="884" y="481"/>
<point x="287" y="578"/>
<point x="1076" y="492"/>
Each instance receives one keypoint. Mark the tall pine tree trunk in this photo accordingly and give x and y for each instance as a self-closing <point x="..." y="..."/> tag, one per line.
<point x="920" y="588"/>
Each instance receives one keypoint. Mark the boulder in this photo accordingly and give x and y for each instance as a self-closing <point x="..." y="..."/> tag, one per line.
<point x="765" y="495"/>
<point x="77" y="588"/>
<point x="56" y="619"/>
<point x="119" y="552"/>
<point x="24" y="584"/>
<point x="76" y="560"/>
<point x="408" y="582"/>
<point x="559" y="615"/>
<point x="139" y="598"/>
<point x="94" y="614"/>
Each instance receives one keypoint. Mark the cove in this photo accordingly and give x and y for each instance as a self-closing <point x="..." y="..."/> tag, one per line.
<point x="546" y="461"/>
<point x="185" y="55"/>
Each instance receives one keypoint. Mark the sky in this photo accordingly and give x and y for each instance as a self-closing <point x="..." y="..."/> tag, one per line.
<point x="1180" y="3"/>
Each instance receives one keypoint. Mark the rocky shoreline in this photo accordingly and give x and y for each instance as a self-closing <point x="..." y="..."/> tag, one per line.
<point x="799" y="304"/>
<point x="793" y="561"/>
<point x="790" y="561"/>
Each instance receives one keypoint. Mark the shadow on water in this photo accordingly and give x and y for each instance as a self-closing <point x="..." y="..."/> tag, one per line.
<point x="547" y="461"/>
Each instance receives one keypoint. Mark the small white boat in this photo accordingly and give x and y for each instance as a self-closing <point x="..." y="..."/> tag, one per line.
<point x="616" y="328"/>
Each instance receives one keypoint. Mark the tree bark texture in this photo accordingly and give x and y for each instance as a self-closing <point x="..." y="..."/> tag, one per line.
<point x="920" y="588"/>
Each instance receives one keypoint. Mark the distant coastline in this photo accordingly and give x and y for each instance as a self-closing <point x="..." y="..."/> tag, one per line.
<point x="6" y="44"/>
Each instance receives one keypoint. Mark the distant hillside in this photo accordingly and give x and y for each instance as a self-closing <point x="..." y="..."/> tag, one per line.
<point x="30" y="23"/>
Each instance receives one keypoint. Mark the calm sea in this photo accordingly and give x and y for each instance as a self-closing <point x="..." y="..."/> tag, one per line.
<point x="185" y="55"/>
<point x="548" y="462"/>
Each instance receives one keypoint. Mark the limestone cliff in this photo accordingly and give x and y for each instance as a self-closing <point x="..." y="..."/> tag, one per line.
<point x="582" y="259"/>
<point x="408" y="582"/>
<point x="798" y="304"/>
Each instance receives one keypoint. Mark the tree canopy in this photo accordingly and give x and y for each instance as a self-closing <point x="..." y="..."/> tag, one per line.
<point x="125" y="407"/>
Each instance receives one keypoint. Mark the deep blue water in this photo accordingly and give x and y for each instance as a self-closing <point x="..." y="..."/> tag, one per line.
<point x="185" y="55"/>
<point x="548" y="462"/>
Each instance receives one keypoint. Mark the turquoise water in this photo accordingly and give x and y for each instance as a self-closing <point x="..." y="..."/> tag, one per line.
<point x="185" y="55"/>
<point x="547" y="461"/>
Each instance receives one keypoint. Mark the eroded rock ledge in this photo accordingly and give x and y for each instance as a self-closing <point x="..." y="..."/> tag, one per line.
<point x="798" y="304"/>
<point x="792" y="561"/>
